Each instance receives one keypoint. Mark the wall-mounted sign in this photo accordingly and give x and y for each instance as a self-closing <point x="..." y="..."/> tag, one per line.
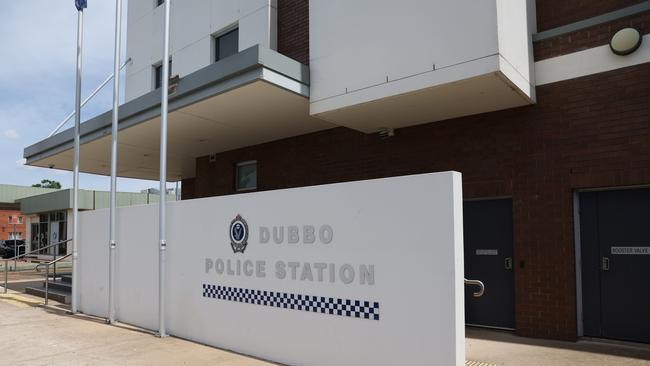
<point x="631" y="250"/>
<point x="350" y="274"/>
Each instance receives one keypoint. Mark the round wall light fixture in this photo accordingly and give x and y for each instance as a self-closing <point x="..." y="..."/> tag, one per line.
<point x="625" y="41"/>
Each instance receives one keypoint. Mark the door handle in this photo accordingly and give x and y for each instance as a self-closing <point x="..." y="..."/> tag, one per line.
<point x="476" y="283"/>
<point x="605" y="264"/>
<point x="508" y="263"/>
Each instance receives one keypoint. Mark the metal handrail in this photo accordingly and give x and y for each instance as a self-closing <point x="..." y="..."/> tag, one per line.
<point x="476" y="283"/>
<point x="38" y="250"/>
<point x="47" y="274"/>
<point x="50" y="262"/>
<point x="24" y="255"/>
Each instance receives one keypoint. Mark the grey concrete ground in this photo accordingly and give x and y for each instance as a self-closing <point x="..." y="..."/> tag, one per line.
<point x="504" y="348"/>
<point x="33" y="335"/>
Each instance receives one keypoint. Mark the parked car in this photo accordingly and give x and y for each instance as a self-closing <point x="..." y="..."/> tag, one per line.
<point x="8" y="248"/>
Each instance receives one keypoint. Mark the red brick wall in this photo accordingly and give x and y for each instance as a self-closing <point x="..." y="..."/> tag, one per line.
<point x="6" y="227"/>
<point x="293" y="29"/>
<point x="588" y="132"/>
<point x="590" y="37"/>
<point x="555" y="13"/>
<point x="187" y="189"/>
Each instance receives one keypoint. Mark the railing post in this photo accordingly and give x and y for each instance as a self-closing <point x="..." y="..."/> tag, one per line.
<point x="47" y="282"/>
<point x="6" y="275"/>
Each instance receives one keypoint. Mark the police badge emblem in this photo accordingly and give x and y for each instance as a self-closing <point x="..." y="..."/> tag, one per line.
<point x="238" y="234"/>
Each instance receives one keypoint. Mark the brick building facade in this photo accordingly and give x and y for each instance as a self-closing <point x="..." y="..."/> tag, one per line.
<point x="12" y="224"/>
<point x="525" y="98"/>
<point x="586" y="132"/>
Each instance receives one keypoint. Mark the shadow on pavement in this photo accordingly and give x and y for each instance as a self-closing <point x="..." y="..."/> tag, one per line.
<point x="613" y="348"/>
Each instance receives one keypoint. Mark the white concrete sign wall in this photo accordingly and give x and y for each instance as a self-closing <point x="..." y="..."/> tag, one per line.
<point x="360" y="273"/>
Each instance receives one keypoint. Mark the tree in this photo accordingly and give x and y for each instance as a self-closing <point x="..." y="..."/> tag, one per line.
<point x="46" y="183"/>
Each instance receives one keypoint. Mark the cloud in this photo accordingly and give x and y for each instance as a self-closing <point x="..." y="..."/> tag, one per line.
<point x="20" y="163"/>
<point x="11" y="134"/>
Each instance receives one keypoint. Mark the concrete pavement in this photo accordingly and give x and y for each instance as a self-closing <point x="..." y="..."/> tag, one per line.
<point x="506" y="349"/>
<point x="33" y="335"/>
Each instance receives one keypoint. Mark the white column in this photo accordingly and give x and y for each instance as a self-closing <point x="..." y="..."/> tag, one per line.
<point x="75" y="174"/>
<point x="162" y="332"/>
<point x="114" y="132"/>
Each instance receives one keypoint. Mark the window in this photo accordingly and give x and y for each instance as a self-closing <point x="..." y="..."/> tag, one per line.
<point x="11" y="219"/>
<point x="158" y="70"/>
<point x="246" y="176"/>
<point x="20" y="219"/>
<point x="159" y="2"/>
<point x="226" y="45"/>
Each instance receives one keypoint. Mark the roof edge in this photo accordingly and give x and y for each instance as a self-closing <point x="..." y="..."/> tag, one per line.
<point x="229" y="73"/>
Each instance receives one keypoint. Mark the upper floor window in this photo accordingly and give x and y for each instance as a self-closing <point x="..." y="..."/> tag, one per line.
<point x="11" y="219"/>
<point x="226" y="44"/>
<point x="246" y="176"/>
<point x="158" y="70"/>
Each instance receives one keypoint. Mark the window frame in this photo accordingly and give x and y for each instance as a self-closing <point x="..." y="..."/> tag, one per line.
<point x="215" y="41"/>
<point x="158" y="76"/>
<point x="243" y="164"/>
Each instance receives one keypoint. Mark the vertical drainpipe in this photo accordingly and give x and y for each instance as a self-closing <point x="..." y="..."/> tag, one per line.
<point x="113" y="196"/>
<point x="162" y="332"/>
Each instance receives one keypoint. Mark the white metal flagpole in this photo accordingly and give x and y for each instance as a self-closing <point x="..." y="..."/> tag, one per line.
<point x="80" y="4"/>
<point x="114" y="131"/>
<point x="162" y="332"/>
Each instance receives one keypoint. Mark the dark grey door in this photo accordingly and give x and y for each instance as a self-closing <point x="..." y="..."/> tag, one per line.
<point x="488" y="258"/>
<point x="615" y="256"/>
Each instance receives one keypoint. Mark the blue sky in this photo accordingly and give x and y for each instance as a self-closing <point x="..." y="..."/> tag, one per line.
<point x="37" y="76"/>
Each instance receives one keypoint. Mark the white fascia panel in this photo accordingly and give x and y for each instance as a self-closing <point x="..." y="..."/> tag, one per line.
<point x="138" y="83"/>
<point x="515" y="78"/>
<point x="190" y="23"/>
<point x="255" y="28"/>
<point x="285" y="82"/>
<point x="515" y="43"/>
<point x="223" y="14"/>
<point x="196" y="55"/>
<point x="592" y="61"/>
<point x="429" y="79"/>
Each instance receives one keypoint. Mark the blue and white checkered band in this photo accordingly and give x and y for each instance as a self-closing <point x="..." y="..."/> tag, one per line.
<point x="315" y="304"/>
<point x="238" y="234"/>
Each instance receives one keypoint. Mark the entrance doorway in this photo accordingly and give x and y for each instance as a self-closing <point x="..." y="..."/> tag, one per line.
<point x="50" y="228"/>
<point x="615" y="264"/>
<point x="489" y="258"/>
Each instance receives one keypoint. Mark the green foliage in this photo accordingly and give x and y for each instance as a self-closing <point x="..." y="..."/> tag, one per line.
<point x="46" y="183"/>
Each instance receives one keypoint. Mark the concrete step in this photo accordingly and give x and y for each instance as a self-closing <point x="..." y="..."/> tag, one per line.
<point x="56" y="295"/>
<point x="58" y="285"/>
<point x="67" y="278"/>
